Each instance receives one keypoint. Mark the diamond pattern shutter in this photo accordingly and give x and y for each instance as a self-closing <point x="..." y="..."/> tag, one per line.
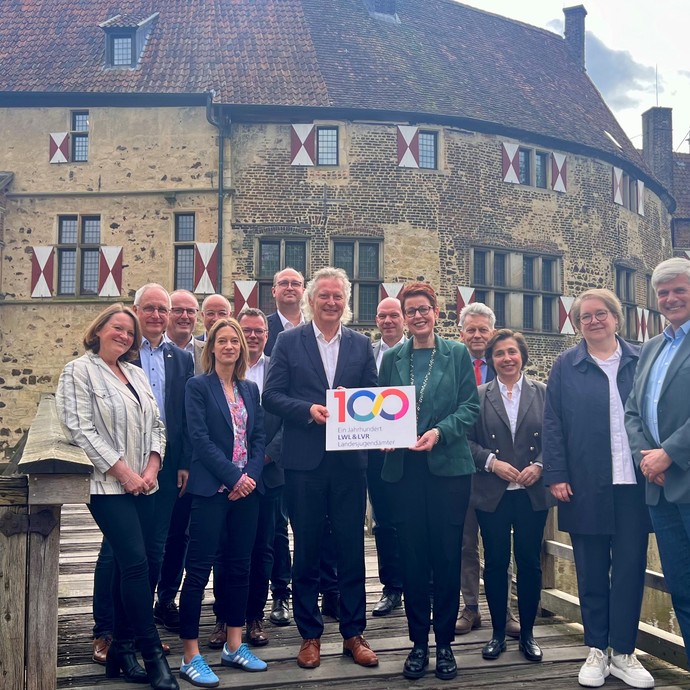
<point x="559" y="172"/>
<point x="465" y="296"/>
<point x="617" y="185"/>
<point x="205" y="267"/>
<point x="303" y="145"/>
<point x="110" y="272"/>
<point x="408" y="146"/>
<point x="246" y="295"/>
<point x="510" y="162"/>
<point x="565" y="322"/>
<point x="42" y="266"/>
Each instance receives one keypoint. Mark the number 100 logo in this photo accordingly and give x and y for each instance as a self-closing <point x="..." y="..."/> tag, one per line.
<point x="383" y="405"/>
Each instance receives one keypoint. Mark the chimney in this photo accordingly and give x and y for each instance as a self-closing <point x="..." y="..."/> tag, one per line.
<point x="575" y="32"/>
<point x="657" y="143"/>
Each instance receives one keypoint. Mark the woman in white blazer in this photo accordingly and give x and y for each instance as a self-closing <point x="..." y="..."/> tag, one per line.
<point x="107" y="408"/>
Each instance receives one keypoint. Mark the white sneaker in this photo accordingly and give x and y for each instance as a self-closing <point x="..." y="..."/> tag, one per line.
<point x="595" y="670"/>
<point x="630" y="671"/>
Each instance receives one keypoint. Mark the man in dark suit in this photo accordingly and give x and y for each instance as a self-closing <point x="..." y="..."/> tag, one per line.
<point x="477" y="324"/>
<point x="288" y="288"/>
<point x="389" y="319"/>
<point x="167" y="368"/>
<point x="306" y="361"/>
<point x="657" y="420"/>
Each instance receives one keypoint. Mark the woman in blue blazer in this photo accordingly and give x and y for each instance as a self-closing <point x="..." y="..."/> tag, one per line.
<point x="225" y="422"/>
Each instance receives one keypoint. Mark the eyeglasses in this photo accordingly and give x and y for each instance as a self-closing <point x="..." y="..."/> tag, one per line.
<point x="150" y="309"/>
<point x="598" y="315"/>
<point x="289" y="283"/>
<point x="220" y="314"/>
<point x="395" y="315"/>
<point x="178" y="311"/>
<point x="423" y="311"/>
<point x="257" y="331"/>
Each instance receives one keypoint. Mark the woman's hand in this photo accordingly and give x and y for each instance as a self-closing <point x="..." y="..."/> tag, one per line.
<point x="245" y="485"/>
<point x="561" y="491"/>
<point x="130" y="481"/>
<point x="426" y="441"/>
<point x="505" y="470"/>
<point x="529" y="476"/>
<point x="151" y="470"/>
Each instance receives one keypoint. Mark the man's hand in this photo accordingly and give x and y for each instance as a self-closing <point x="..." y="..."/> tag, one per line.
<point x="561" y="491"/>
<point x="654" y="463"/>
<point x="182" y="477"/>
<point x="319" y="413"/>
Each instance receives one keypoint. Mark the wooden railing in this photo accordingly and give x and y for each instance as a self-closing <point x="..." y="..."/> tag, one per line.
<point x="651" y="639"/>
<point x="51" y="473"/>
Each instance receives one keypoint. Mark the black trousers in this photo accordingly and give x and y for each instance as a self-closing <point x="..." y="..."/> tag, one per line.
<point x="335" y="493"/>
<point x="127" y="524"/>
<point x="281" y="573"/>
<point x="211" y="517"/>
<point x="514" y="515"/>
<point x="429" y="514"/>
<point x="172" y="568"/>
<point x="385" y="533"/>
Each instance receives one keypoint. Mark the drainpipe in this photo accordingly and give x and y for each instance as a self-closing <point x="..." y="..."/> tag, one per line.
<point x="222" y="125"/>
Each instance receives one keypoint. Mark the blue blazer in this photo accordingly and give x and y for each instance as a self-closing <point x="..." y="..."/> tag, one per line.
<point x="296" y="380"/>
<point x="275" y="328"/>
<point x="211" y="433"/>
<point x="179" y="368"/>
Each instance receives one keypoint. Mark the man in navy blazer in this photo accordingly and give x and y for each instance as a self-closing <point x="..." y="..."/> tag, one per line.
<point x="657" y="420"/>
<point x="167" y="368"/>
<point x="288" y="289"/>
<point x="307" y="361"/>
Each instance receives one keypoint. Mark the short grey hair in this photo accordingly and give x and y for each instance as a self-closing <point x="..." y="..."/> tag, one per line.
<point x="139" y="294"/>
<point x="670" y="269"/>
<point x="477" y="309"/>
<point x="310" y="292"/>
<point x="216" y="294"/>
<point x="252" y="311"/>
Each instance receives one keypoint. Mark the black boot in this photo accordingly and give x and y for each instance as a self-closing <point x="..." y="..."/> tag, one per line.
<point x="159" y="675"/>
<point x="122" y="657"/>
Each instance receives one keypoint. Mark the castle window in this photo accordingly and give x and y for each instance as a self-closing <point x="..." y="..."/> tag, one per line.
<point x="625" y="290"/>
<point x="524" y="291"/>
<point x="122" y="50"/>
<point x="361" y="260"/>
<point x="79" y="135"/>
<point x="185" y="232"/>
<point x="326" y="146"/>
<point x="541" y="170"/>
<point x="525" y="166"/>
<point x="275" y="254"/>
<point x="428" y="150"/>
<point x="78" y="254"/>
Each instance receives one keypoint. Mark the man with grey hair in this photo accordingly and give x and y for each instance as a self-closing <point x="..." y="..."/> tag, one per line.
<point x="319" y="485"/>
<point x="183" y="312"/>
<point x="213" y="307"/>
<point x="657" y="420"/>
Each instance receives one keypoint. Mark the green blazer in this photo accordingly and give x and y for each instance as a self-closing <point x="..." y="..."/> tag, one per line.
<point x="452" y="394"/>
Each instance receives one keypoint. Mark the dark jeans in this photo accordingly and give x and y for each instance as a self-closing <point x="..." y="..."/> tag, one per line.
<point x="331" y="493"/>
<point x="430" y="513"/>
<point x="328" y="563"/>
<point x="102" y="601"/>
<point x="385" y="533"/>
<point x="672" y="528"/>
<point x="513" y="513"/>
<point x="211" y="517"/>
<point x="281" y="574"/>
<point x="172" y="568"/>
<point x="127" y="523"/>
<point x="610" y="575"/>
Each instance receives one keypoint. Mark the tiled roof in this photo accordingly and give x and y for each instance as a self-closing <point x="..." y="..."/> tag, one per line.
<point x="443" y="58"/>
<point x="681" y="184"/>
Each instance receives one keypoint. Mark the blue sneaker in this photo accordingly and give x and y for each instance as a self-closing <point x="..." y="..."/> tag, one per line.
<point x="242" y="658"/>
<point x="197" y="672"/>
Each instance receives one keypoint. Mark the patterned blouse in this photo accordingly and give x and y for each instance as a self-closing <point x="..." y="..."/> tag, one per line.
<point x="238" y="414"/>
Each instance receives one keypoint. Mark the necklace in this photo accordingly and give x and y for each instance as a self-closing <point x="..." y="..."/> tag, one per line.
<point x="426" y="378"/>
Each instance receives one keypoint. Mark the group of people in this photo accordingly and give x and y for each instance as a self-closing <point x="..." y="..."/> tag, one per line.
<point x="199" y="473"/>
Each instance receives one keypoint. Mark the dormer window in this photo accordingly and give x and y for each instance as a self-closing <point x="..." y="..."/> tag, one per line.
<point x="125" y="39"/>
<point x="383" y="9"/>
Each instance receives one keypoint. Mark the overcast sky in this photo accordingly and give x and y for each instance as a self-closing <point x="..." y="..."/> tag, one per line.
<point x="628" y="43"/>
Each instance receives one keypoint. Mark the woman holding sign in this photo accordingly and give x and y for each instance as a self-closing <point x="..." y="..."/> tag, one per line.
<point x="432" y="479"/>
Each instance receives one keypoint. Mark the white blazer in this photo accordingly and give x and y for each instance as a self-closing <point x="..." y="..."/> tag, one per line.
<point x="102" y="416"/>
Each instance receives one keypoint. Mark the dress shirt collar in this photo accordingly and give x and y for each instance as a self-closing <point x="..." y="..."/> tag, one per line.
<point x="681" y="332"/>
<point x="287" y="324"/>
<point x="320" y="336"/>
<point x="517" y="387"/>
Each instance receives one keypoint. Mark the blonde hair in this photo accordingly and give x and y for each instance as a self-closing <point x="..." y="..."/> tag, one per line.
<point x="208" y="358"/>
<point x="607" y="297"/>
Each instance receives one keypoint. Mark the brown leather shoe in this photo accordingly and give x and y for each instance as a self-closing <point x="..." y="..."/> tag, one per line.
<point x="100" y="648"/>
<point x="512" y="626"/>
<point x="256" y="635"/>
<point x="469" y="620"/>
<point x="309" y="654"/>
<point x="218" y="636"/>
<point x="360" y="651"/>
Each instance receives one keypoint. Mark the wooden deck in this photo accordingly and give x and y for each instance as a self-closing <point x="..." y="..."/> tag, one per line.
<point x="562" y="642"/>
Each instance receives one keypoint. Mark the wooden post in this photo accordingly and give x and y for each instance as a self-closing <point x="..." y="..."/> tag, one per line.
<point x="30" y="509"/>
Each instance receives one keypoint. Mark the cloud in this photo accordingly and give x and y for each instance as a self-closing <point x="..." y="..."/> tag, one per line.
<point x="684" y="73"/>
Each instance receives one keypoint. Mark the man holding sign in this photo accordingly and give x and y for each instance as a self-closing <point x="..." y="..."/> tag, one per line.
<point x="320" y="485"/>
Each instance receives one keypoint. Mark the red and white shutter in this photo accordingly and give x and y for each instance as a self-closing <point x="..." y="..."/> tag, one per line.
<point x="42" y="266"/>
<point x="642" y="324"/>
<point x="408" y="146"/>
<point x="205" y="267"/>
<point x="559" y="172"/>
<point x="465" y="296"/>
<point x="110" y="272"/>
<point x="640" y="197"/>
<point x="246" y="295"/>
<point x="510" y="162"/>
<point x="391" y="289"/>
<point x="617" y="185"/>
<point x="565" y="323"/>
<point x="303" y="145"/>
<point x="58" y="150"/>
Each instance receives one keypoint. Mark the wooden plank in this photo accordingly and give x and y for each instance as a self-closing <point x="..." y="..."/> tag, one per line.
<point x="13" y="490"/>
<point x="41" y="614"/>
<point x="57" y="489"/>
<point x="13" y="552"/>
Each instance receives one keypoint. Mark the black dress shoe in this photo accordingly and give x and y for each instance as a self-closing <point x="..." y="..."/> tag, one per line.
<point x="446" y="668"/>
<point x="390" y="600"/>
<point x="416" y="662"/>
<point x="530" y="649"/>
<point x="493" y="648"/>
<point x="280" y="613"/>
<point x="330" y="605"/>
<point x="168" y="615"/>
